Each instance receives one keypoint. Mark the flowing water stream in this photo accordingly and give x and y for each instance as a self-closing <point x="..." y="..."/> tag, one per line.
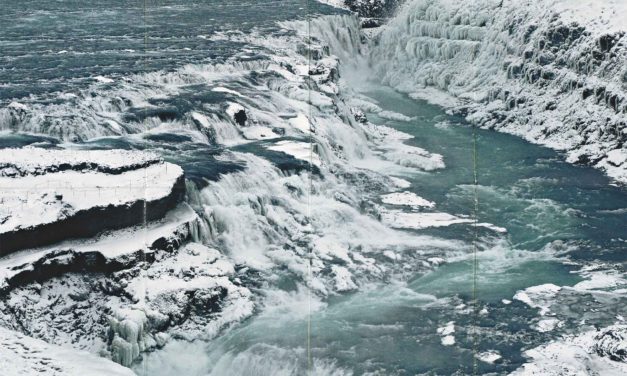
<point x="558" y="217"/>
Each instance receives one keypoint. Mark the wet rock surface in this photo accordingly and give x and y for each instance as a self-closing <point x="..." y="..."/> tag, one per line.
<point x="373" y="8"/>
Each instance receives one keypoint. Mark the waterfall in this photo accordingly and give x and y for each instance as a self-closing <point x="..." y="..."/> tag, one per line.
<point x="530" y="68"/>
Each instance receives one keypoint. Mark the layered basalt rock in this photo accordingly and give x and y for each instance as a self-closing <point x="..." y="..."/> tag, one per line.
<point x="97" y="252"/>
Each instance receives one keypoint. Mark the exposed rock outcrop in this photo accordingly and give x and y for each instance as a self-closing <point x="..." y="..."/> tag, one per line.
<point x="125" y="292"/>
<point x="612" y="343"/>
<point x="373" y="8"/>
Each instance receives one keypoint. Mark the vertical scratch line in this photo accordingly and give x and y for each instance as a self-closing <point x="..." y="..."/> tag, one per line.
<point x="475" y="260"/>
<point x="145" y="208"/>
<point x="311" y="146"/>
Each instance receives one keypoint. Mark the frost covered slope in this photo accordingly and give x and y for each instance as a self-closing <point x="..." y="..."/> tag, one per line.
<point x="22" y="355"/>
<point x="553" y="72"/>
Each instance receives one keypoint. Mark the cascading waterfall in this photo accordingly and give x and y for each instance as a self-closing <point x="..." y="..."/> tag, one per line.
<point x="296" y="158"/>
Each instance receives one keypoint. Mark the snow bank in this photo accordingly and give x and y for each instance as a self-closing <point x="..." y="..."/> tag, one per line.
<point x="489" y="356"/>
<point x="334" y="3"/>
<point x="419" y="221"/>
<point x="602" y="16"/>
<point x="35" y="161"/>
<point x="406" y="199"/>
<point x="541" y="296"/>
<point x="22" y="355"/>
<point x="299" y="150"/>
<point x="447" y="333"/>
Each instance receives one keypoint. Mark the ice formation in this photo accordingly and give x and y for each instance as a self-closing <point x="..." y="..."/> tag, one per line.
<point x="407" y="199"/>
<point x="582" y="354"/>
<point x="551" y="72"/>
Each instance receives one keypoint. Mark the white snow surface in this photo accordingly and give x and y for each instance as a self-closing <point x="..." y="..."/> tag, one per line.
<point x="540" y="296"/>
<point x="334" y="3"/>
<point x="570" y="355"/>
<point x="406" y="199"/>
<point x="601" y="16"/>
<point x="37" y="161"/>
<point x="489" y="356"/>
<point x="26" y="356"/>
<point x="297" y="149"/>
<point x="418" y="221"/>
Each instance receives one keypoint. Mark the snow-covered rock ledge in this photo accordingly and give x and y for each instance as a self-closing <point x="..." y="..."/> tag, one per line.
<point x="52" y="195"/>
<point x="106" y="253"/>
<point x="551" y="71"/>
<point x="124" y="292"/>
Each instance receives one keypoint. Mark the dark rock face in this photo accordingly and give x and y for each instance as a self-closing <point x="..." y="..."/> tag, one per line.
<point x="84" y="293"/>
<point x="359" y="116"/>
<point x="369" y="23"/>
<point x="240" y="117"/>
<point x="65" y="260"/>
<point x="612" y="343"/>
<point x="373" y="8"/>
<point x="54" y="195"/>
